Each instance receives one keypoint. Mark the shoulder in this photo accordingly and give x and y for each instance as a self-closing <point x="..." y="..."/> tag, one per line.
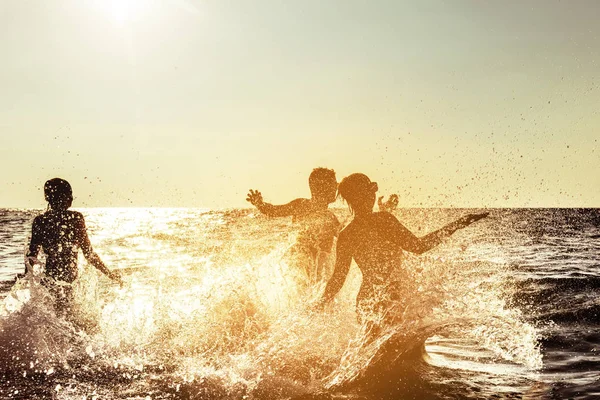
<point x="300" y="207"/>
<point x="386" y="217"/>
<point x="389" y="223"/>
<point x="42" y="218"/>
<point x="39" y="220"/>
<point x="76" y="217"/>
<point x="74" y="214"/>
<point x="77" y="214"/>
<point x="386" y="222"/>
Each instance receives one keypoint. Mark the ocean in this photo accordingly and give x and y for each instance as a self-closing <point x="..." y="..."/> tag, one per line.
<point x="507" y="308"/>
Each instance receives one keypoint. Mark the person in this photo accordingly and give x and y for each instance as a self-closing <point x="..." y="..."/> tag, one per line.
<point x="376" y="241"/>
<point x="319" y="225"/>
<point x="60" y="232"/>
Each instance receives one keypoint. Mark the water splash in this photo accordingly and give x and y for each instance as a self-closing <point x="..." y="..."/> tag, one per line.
<point x="233" y="321"/>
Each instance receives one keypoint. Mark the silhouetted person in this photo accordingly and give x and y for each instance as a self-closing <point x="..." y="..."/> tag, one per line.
<point x="376" y="242"/>
<point x="60" y="233"/>
<point x="319" y="225"/>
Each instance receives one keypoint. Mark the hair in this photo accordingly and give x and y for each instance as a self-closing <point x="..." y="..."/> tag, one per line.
<point x="58" y="193"/>
<point x="321" y="178"/>
<point x="352" y="188"/>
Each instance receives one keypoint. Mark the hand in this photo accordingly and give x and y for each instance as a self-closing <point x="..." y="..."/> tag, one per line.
<point x="390" y="205"/>
<point x="470" y="218"/>
<point x="255" y="198"/>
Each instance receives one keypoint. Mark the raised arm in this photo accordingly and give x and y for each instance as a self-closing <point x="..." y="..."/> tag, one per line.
<point x="294" y="207"/>
<point x="390" y="204"/>
<point x="342" y="266"/>
<point x="90" y="254"/>
<point x="409" y="242"/>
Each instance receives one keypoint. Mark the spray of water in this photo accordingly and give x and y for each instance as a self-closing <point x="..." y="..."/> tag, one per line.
<point x="246" y="329"/>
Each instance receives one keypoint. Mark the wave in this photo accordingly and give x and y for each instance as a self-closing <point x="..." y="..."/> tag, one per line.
<point x="567" y="299"/>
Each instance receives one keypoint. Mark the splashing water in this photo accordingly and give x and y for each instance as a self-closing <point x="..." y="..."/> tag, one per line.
<point x="230" y="320"/>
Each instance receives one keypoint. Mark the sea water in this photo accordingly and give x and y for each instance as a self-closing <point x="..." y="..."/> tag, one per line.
<point x="210" y="308"/>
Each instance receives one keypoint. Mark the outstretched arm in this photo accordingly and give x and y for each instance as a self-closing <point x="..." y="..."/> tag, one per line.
<point x="292" y="208"/>
<point x="408" y="241"/>
<point x="91" y="256"/>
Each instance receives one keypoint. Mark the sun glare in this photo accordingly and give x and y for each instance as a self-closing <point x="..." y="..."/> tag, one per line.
<point x="123" y="12"/>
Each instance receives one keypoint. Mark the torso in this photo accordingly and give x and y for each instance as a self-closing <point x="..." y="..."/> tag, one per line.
<point x="318" y="226"/>
<point x="60" y="234"/>
<point x="378" y="258"/>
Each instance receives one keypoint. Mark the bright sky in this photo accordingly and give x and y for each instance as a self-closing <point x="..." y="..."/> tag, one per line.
<point x="192" y="103"/>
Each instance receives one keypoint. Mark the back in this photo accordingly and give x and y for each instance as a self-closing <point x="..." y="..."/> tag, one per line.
<point x="371" y="241"/>
<point x="318" y="229"/>
<point x="60" y="233"/>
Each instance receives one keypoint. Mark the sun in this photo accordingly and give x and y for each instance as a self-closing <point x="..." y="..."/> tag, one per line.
<point x="124" y="12"/>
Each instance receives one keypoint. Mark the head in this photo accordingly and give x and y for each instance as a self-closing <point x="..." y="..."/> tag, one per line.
<point x="359" y="192"/>
<point x="323" y="184"/>
<point x="58" y="194"/>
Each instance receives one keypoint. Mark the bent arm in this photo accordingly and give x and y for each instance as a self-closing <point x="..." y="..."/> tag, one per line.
<point x="95" y="260"/>
<point x="36" y="241"/>
<point x="342" y="266"/>
<point x="90" y="254"/>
